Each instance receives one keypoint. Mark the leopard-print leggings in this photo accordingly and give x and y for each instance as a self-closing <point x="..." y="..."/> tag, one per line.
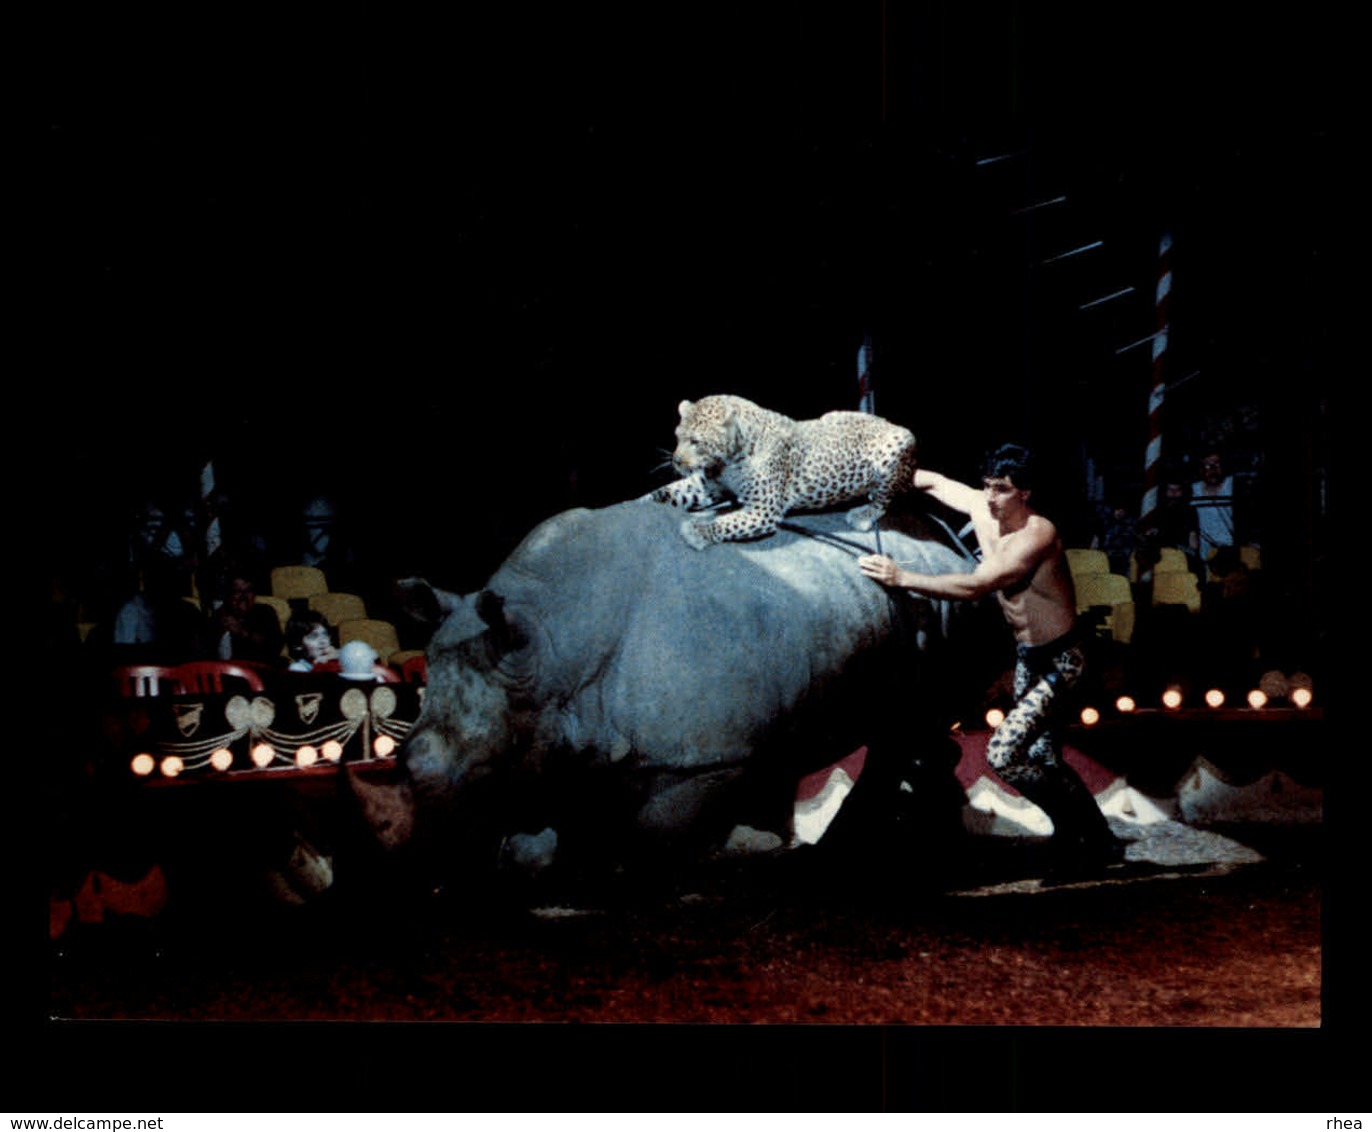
<point x="1024" y="749"/>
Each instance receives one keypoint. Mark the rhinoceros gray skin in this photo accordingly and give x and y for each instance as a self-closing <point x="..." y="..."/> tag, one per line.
<point x="609" y="677"/>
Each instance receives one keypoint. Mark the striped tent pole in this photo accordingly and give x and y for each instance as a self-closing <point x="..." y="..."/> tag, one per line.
<point x="1152" y="464"/>
<point x="867" y="402"/>
<point x="866" y="393"/>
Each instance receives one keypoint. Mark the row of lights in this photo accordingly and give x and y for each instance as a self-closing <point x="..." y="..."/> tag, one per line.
<point x="1297" y="690"/>
<point x="263" y="754"/>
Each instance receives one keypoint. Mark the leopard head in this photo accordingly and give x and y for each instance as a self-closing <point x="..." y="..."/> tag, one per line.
<point x="708" y="437"/>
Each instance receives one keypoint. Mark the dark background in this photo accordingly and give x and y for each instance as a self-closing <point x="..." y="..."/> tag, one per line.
<point x="458" y="268"/>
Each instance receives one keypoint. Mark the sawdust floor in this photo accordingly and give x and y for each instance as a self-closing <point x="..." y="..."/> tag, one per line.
<point x="784" y="946"/>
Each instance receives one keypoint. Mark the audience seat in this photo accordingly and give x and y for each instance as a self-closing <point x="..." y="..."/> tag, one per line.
<point x="139" y="680"/>
<point x="1170" y="558"/>
<point x="298" y="582"/>
<point x="1176" y="587"/>
<point x="1250" y="557"/>
<point x="413" y="666"/>
<point x="1113" y="592"/>
<point x="278" y="605"/>
<point x="206" y="677"/>
<point x="381" y="635"/>
<point x="1085" y="560"/>
<point x="338" y="607"/>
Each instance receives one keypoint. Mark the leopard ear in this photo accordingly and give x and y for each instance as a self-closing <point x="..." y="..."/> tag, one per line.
<point x="732" y="429"/>
<point x="684" y="408"/>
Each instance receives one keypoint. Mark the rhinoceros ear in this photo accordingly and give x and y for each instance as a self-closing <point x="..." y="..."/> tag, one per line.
<point x="424" y="602"/>
<point x="505" y="635"/>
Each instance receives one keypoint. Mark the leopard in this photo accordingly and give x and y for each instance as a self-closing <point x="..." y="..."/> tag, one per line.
<point x="731" y="449"/>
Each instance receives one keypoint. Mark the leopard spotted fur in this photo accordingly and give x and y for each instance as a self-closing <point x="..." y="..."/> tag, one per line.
<point x="730" y="448"/>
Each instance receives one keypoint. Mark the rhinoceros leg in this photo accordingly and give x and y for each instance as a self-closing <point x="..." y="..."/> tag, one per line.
<point x="694" y="807"/>
<point x="529" y="853"/>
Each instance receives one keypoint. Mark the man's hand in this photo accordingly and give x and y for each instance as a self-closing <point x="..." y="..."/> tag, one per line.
<point x="231" y="622"/>
<point x="880" y="568"/>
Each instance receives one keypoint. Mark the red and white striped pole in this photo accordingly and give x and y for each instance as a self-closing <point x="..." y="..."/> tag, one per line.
<point x="1152" y="463"/>
<point x="867" y="401"/>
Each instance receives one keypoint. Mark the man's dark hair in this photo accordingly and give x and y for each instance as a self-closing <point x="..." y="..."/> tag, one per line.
<point x="1013" y="462"/>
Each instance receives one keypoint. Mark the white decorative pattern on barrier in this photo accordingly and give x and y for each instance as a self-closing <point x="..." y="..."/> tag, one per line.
<point x="271" y="747"/>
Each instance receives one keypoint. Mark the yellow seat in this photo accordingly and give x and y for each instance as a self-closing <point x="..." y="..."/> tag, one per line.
<point x="1083" y="560"/>
<point x="1113" y="592"/>
<point x="1249" y="556"/>
<point x="293" y="582"/>
<point x="338" y="607"/>
<point x="278" y="605"/>
<point x="1176" y="587"/>
<point x="1101" y="588"/>
<point x="381" y="635"/>
<point x="282" y="608"/>
<point x="1121" y="622"/>
<point x="1169" y="558"/>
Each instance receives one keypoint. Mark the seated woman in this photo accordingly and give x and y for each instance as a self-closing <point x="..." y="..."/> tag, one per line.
<point x="310" y="644"/>
<point x="312" y="649"/>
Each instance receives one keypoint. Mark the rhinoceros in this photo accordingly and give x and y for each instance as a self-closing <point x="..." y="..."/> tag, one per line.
<point x="609" y="686"/>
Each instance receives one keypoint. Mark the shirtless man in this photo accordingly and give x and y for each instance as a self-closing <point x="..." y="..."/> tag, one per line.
<point x="1023" y="564"/>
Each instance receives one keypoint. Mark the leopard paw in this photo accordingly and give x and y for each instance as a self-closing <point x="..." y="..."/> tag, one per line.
<point x="864" y="518"/>
<point x="695" y="533"/>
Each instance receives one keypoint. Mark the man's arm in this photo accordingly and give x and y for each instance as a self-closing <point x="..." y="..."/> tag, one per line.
<point x="997" y="570"/>
<point x="959" y="496"/>
<point x="962" y="497"/>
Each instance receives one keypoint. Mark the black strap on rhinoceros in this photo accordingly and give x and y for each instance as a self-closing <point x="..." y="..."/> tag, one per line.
<point x="846" y="542"/>
<point x="833" y="539"/>
<point x="907" y="795"/>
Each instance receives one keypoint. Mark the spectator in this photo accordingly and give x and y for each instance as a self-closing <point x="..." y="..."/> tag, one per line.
<point x="1174" y="527"/>
<point x="1212" y="498"/>
<point x="231" y="542"/>
<point x="157" y="624"/>
<point x="154" y="539"/>
<point x="151" y="536"/>
<point x="312" y="649"/>
<point x="246" y="630"/>
<point x="325" y="543"/>
<point x="1119" y="537"/>
<point x="310" y="644"/>
<point x="1176" y="518"/>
